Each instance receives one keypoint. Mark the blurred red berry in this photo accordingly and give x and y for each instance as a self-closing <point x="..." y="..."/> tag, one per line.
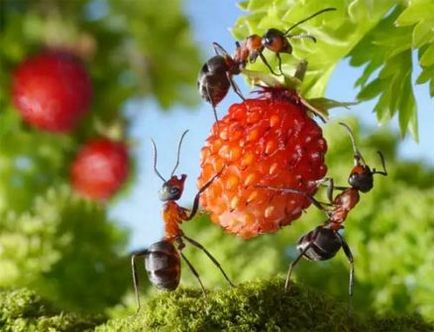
<point x="100" y="168"/>
<point x="270" y="141"/>
<point x="52" y="91"/>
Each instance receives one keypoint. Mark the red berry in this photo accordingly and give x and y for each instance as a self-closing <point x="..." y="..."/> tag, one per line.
<point x="100" y="168"/>
<point x="266" y="142"/>
<point x="52" y="90"/>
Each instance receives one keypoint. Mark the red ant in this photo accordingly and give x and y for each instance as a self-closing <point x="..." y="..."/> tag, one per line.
<point x="215" y="77"/>
<point x="275" y="40"/>
<point x="162" y="259"/>
<point x="324" y="241"/>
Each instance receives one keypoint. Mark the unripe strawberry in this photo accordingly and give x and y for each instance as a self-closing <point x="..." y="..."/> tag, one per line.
<point x="270" y="141"/>
<point x="52" y="91"/>
<point x="100" y="168"/>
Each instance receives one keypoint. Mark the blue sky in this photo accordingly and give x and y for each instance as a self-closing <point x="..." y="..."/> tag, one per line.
<point x="210" y="20"/>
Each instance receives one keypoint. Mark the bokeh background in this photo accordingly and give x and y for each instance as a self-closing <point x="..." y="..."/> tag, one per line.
<point x="144" y="58"/>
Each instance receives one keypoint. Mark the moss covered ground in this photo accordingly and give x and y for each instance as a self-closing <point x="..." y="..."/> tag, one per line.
<point x="253" y="306"/>
<point x="23" y="311"/>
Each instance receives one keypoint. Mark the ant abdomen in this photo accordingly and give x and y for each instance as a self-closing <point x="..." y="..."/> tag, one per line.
<point x="163" y="265"/>
<point x="322" y="243"/>
<point x="213" y="82"/>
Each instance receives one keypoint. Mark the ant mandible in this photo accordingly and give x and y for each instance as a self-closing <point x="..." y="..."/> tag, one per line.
<point x="163" y="258"/>
<point x="275" y="40"/>
<point x="215" y="77"/>
<point x="324" y="241"/>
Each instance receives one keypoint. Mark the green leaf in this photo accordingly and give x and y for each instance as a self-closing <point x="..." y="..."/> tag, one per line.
<point x="372" y="90"/>
<point x="417" y="11"/>
<point x="427" y="58"/>
<point x="408" y="107"/>
<point x="422" y="34"/>
<point x="326" y="103"/>
<point x="337" y="32"/>
<point x="379" y="35"/>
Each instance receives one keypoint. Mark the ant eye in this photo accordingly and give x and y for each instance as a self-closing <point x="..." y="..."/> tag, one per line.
<point x="268" y="40"/>
<point x="174" y="190"/>
<point x="205" y="68"/>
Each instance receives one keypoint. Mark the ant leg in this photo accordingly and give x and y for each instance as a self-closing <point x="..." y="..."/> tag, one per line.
<point x="280" y="62"/>
<point x="218" y="49"/>
<point x="134" y="255"/>
<point x="383" y="163"/>
<point x="211" y="257"/>
<point x="350" y="258"/>
<point x="201" y="190"/>
<point x="234" y="86"/>
<point x="330" y="188"/>
<point x="193" y="270"/>
<point x="293" y="264"/>
<point x="267" y="64"/>
<point x="212" y="104"/>
<point x="320" y="205"/>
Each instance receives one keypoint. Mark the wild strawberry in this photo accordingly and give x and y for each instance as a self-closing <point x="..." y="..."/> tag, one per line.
<point x="269" y="141"/>
<point x="52" y="90"/>
<point x="100" y="168"/>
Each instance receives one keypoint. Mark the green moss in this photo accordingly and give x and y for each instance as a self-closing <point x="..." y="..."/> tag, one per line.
<point x="22" y="310"/>
<point x="254" y="306"/>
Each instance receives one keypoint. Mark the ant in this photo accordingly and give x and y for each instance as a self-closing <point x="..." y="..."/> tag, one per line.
<point x="275" y="40"/>
<point x="215" y="77"/>
<point x="324" y="241"/>
<point x="163" y="258"/>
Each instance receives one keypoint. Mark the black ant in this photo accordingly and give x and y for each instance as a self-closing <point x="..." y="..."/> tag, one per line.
<point x="275" y="40"/>
<point x="163" y="258"/>
<point x="215" y="77"/>
<point x="324" y="241"/>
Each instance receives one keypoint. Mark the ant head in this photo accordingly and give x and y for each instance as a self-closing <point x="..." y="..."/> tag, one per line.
<point x="172" y="189"/>
<point x="361" y="176"/>
<point x="275" y="41"/>
<point x="254" y="46"/>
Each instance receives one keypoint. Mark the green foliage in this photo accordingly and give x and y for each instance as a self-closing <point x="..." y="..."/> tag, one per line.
<point x="388" y="233"/>
<point x="125" y="44"/>
<point x="23" y="311"/>
<point x="379" y="35"/>
<point x="66" y="249"/>
<point x="30" y="162"/>
<point x="254" y="306"/>
<point x="50" y="240"/>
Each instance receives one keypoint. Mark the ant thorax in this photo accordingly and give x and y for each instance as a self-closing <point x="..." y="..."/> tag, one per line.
<point x="343" y="204"/>
<point x="173" y="216"/>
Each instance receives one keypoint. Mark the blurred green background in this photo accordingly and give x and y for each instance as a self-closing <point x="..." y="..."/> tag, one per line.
<point x="143" y="57"/>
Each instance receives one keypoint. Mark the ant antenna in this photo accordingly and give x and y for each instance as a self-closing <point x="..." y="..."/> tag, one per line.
<point x="179" y="152"/>
<point x="219" y="50"/>
<point x="383" y="163"/>
<point x="308" y="18"/>
<point x="155" y="161"/>
<point x="357" y="155"/>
